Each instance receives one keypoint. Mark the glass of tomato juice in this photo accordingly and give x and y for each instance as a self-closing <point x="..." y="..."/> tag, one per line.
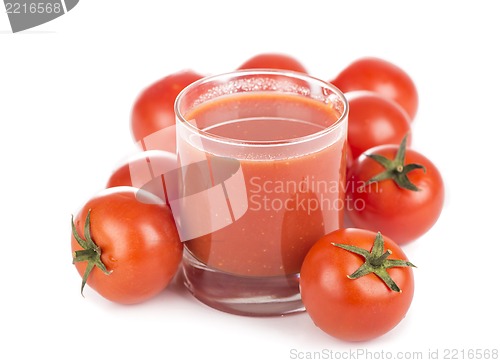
<point x="262" y="155"/>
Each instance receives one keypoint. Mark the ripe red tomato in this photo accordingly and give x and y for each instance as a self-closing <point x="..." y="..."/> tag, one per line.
<point x="145" y="170"/>
<point x="351" y="296"/>
<point x="375" y="120"/>
<point x="403" y="192"/>
<point x="348" y="155"/>
<point x="153" y="109"/>
<point x="378" y="75"/>
<point x="134" y="245"/>
<point x="274" y="61"/>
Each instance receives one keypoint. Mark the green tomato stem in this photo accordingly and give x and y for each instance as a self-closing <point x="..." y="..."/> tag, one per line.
<point x="396" y="169"/>
<point x="91" y="253"/>
<point x="376" y="262"/>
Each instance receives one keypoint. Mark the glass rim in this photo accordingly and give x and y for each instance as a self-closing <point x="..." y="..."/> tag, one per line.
<point x="262" y="72"/>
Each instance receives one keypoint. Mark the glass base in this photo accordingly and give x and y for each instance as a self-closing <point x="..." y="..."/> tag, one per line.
<point x="242" y="295"/>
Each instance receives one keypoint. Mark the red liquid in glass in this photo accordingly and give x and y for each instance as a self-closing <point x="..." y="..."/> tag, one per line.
<point x="293" y="200"/>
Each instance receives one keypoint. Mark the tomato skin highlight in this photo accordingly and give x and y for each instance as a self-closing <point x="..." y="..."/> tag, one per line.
<point x="380" y="76"/>
<point x="347" y="309"/>
<point x="403" y="215"/>
<point x="153" y="110"/>
<point x="375" y="120"/>
<point x="139" y="244"/>
<point x="274" y="61"/>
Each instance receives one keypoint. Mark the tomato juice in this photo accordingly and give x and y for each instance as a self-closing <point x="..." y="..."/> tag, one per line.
<point x="290" y="148"/>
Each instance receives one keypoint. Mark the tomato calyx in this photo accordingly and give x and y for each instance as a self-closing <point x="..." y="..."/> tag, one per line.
<point x="396" y="169"/>
<point x="376" y="261"/>
<point x="91" y="252"/>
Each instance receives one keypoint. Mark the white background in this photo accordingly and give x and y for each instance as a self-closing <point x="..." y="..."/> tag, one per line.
<point x="66" y="90"/>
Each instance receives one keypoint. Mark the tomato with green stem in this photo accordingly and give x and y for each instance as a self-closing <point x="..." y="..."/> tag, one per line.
<point x="356" y="284"/>
<point x="125" y="245"/>
<point x="395" y="190"/>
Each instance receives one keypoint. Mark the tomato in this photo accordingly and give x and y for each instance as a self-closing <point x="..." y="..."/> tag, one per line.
<point x="132" y="240"/>
<point x="375" y="120"/>
<point x="378" y="75"/>
<point x="274" y="61"/>
<point x="153" y="109"/>
<point x="348" y="155"/>
<point x="145" y="170"/>
<point x="350" y="287"/>
<point x="396" y="191"/>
